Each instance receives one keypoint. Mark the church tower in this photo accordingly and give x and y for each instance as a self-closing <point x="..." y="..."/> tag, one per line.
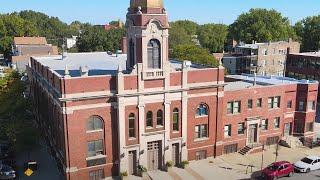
<point x="147" y="37"/>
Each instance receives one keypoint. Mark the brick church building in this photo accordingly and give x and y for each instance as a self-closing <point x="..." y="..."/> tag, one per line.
<point x="105" y="114"/>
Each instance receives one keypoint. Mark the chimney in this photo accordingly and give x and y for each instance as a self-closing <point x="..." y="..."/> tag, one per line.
<point x="290" y="40"/>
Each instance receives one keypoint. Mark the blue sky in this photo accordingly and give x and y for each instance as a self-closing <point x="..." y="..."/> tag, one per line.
<point x="201" y="11"/>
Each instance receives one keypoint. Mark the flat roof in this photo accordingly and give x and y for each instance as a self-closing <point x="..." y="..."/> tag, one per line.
<point x="245" y="81"/>
<point x="313" y="54"/>
<point x="256" y="45"/>
<point x="98" y="63"/>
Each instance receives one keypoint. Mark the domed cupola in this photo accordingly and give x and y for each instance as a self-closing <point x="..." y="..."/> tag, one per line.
<point x="146" y="3"/>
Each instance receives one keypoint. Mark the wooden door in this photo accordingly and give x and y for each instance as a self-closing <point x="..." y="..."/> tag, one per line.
<point x="154" y="156"/>
<point x="132" y="162"/>
<point x="253" y="134"/>
<point x="175" y="154"/>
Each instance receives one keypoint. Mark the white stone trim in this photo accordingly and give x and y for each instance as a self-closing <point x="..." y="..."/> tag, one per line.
<point x="71" y="109"/>
<point x="71" y="169"/>
<point x="202" y="94"/>
<point x="95" y="94"/>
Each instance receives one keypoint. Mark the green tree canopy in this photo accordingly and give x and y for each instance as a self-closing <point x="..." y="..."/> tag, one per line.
<point x="194" y="54"/>
<point x="181" y="32"/>
<point x="213" y="36"/>
<point x="308" y="31"/>
<point x="261" y="25"/>
<point x="94" y="38"/>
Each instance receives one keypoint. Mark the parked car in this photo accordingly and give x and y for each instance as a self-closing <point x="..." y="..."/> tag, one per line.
<point x="4" y="150"/>
<point x="277" y="170"/>
<point x="308" y="164"/>
<point x="7" y="172"/>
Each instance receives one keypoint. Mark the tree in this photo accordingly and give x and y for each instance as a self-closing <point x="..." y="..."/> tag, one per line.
<point x="16" y="123"/>
<point x="194" y="54"/>
<point x="94" y="38"/>
<point x="13" y="25"/>
<point x="308" y="31"/>
<point x="181" y="32"/>
<point x="261" y="25"/>
<point x="213" y="36"/>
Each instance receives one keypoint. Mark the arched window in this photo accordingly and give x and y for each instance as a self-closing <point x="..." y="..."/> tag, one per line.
<point x="159" y="118"/>
<point x="202" y="110"/>
<point x="94" y="123"/>
<point x="149" y="119"/>
<point x="131" y="53"/>
<point x="154" y="57"/>
<point x="132" y="131"/>
<point x="175" y="124"/>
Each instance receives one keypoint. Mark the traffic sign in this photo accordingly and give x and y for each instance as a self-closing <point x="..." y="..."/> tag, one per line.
<point x="28" y="172"/>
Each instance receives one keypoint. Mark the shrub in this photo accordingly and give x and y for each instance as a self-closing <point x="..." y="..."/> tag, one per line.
<point x="184" y="164"/>
<point x="124" y="174"/>
<point x="169" y="163"/>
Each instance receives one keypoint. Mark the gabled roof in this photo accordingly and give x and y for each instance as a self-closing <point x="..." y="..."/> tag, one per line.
<point x="30" y="41"/>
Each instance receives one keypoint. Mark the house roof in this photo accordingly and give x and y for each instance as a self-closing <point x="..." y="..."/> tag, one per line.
<point x="30" y="41"/>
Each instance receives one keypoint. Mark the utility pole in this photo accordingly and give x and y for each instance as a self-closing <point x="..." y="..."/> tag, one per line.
<point x="277" y="152"/>
<point x="262" y="156"/>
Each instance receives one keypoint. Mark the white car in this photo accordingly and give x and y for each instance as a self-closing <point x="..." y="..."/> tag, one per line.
<point x="307" y="164"/>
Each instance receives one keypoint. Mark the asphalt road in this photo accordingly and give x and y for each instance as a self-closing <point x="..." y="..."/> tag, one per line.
<point x="314" y="175"/>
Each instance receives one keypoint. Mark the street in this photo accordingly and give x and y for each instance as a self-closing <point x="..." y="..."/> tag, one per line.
<point x="47" y="168"/>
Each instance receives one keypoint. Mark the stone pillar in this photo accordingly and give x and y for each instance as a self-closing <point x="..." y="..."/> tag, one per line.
<point x="121" y="122"/>
<point x="167" y="118"/>
<point x="184" y="110"/>
<point x="122" y="138"/>
<point x="140" y="81"/>
<point x="143" y="144"/>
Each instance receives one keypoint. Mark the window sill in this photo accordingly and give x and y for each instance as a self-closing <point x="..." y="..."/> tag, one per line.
<point x="95" y="131"/>
<point x="227" y="137"/>
<point x="241" y="134"/>
<point x="159" y="126"/>
<point x="96" y="157"/>
<point x="202" y="116"/>
<point x="201" y="139"/>
<point x="176" y="132"/>
<point x="149" y="128"/>
<point x="132" y="139"/>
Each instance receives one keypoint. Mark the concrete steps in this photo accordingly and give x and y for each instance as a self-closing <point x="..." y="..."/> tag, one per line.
<point x="159" y="175"/>
<point x="291" y="142"/>
<point x="245" y="150"/>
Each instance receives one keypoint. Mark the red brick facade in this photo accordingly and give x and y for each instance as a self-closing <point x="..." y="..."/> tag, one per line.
<point x="190" y="103"/>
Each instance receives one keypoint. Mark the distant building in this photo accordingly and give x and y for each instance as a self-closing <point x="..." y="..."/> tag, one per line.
<point x="108" y="27"/>
<point x="25" y="47"/>
<point x="263" y="58"/>
<point x="71" y="42"/>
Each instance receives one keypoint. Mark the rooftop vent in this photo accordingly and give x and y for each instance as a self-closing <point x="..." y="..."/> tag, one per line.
<point x="84" y="70"/>
<point x="187" y="64"/>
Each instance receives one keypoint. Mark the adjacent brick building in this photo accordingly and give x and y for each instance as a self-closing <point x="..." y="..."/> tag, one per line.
<point x="262" y="58"/>
<point x="25" y="47"/>
<point x="105" y="114"/>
